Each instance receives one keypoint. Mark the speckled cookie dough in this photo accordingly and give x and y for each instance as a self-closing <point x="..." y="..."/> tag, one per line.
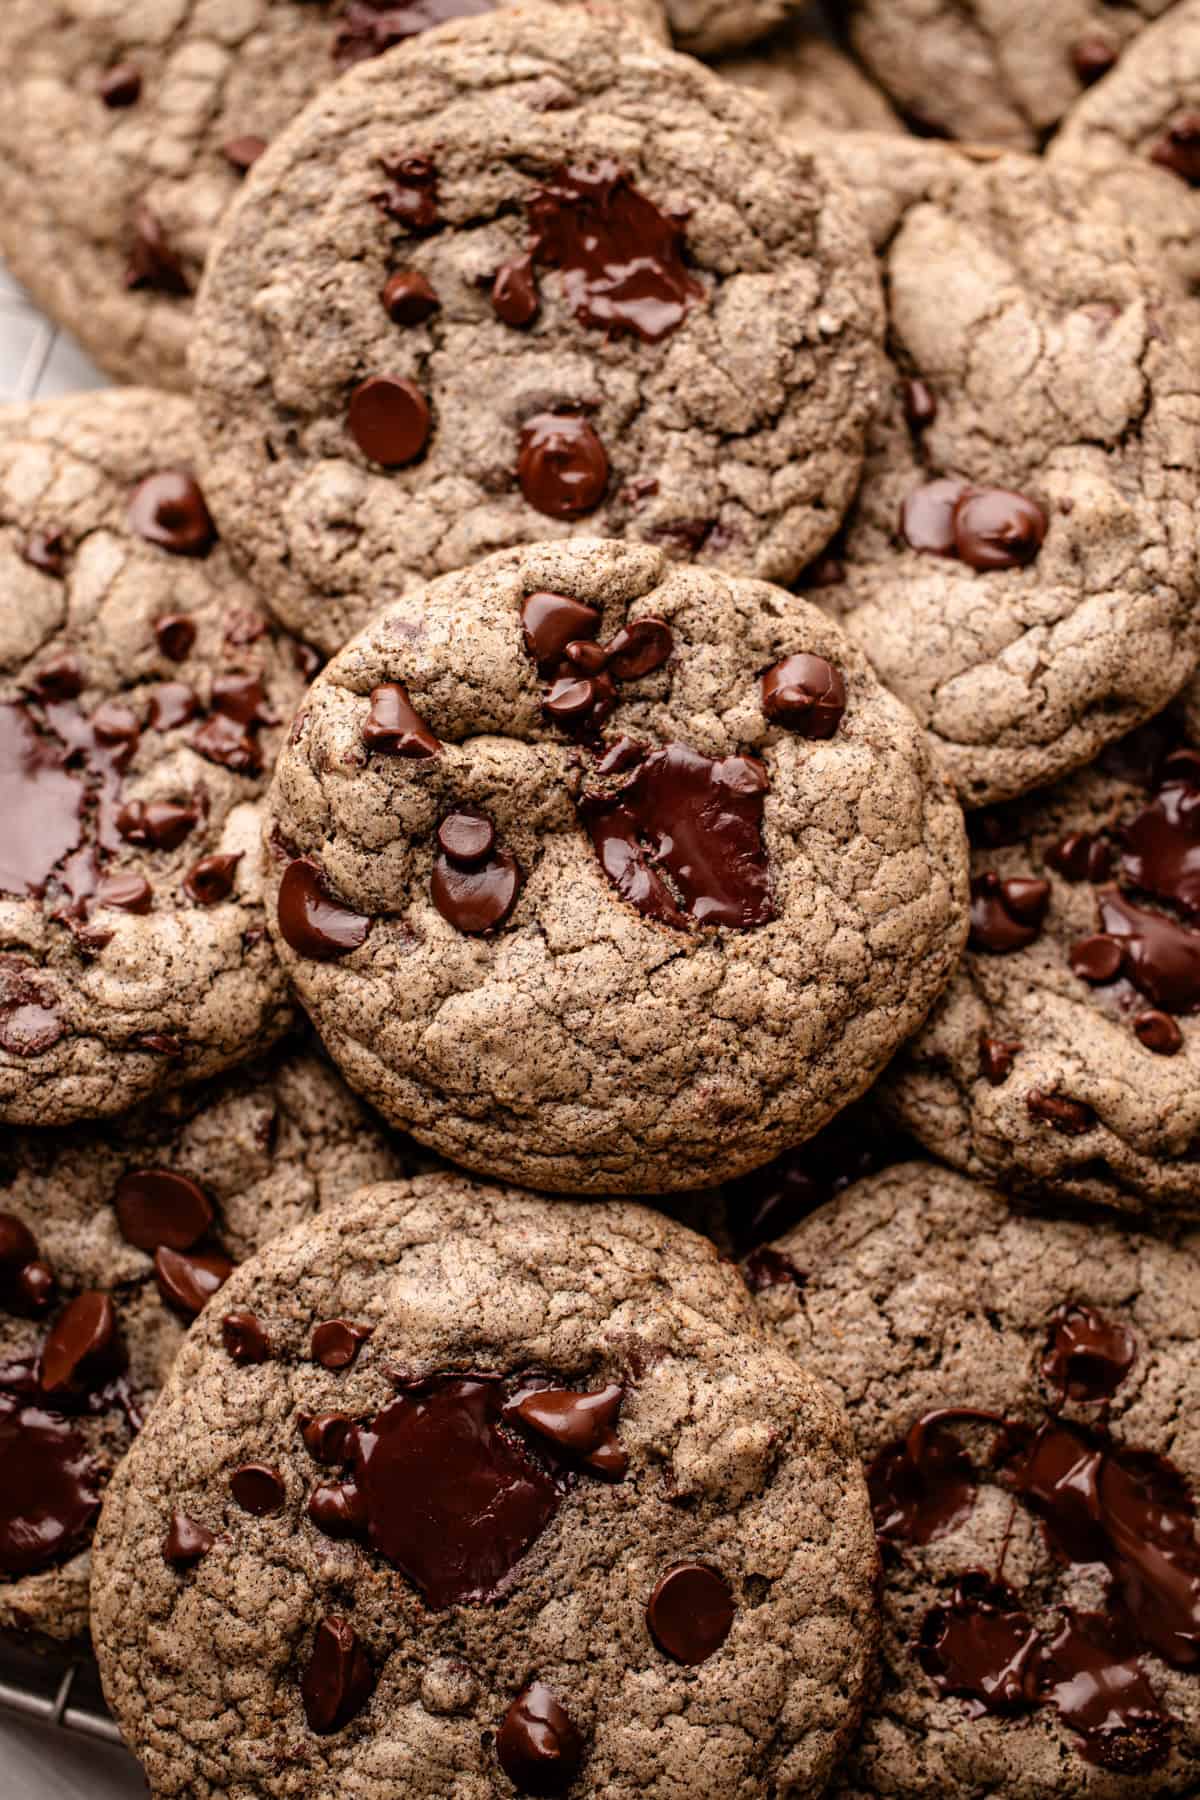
<point x="1021" y="560"/>
<point x="610" y="875"/>
<point x="112" y="1239"/>
<point x="128" y="128"/>
<point x="1065" y="1056"/>
<point x="143" y="693"/>
<point x="1024" y="1392"/>
<point x="1002" y="71"/>
<point x="812" y="85"/>
<point x="1137" y="134"/>
<point x="456" y="1396"/>
<point x="640" y="317"/>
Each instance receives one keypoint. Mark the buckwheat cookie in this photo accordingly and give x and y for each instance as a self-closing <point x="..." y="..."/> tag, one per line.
<point x="465" y="1491"/>
<point x="1137" y="133"/>
<point x="127" y="129"/>
<point x="526" y="278"/>
<point x="610" y="875"/>
<point x="112" y="1238"/>
<point x="1065" y="1056"/>
<point x="993" y="70"/>
<point x="1020" y="563"/>
<point x="142" y="691"/>
<point x="812" y="85"/>
<point x="1024" y="1392"/>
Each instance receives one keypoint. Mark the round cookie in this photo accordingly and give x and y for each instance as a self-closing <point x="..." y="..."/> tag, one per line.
<point x="1137" y="133"/>
<point x="992" y="70"/>
<point x="1020" y="563"/>
<point x="812" y="85"/>
<point x="112" y="1238"/>
<point x="609" y="875"/>
<point x="519" y="1497"/>
<point x="127" y="130"/>
<point x="142" y="694"/>
<point x="1041" y="1565"/>
<point x="1065" y="1055"/>
<point x="639" y="317"/>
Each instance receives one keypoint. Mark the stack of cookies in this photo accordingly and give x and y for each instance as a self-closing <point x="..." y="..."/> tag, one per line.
<point x="600" y="895"/>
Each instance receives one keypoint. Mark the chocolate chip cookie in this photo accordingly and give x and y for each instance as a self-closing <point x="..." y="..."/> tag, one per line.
<point x="1024" y="1393"/>
<point x="462" y="1490"/>
<point x="126" y="131"/>
<point x="112" y="1239"/>
<point x="812" y="85"/>
<point x="987" y="69"/>
<point x="1065" y="1056"/>
<point x="610" y="875"/>
<point x="1020" y="563"/>
<point x="142" y="694"/>
<point x="528" y="278"/>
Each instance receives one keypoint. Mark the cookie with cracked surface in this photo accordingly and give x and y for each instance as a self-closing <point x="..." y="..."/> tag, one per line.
<point x="648" y="1501"/>
<point x="112" y="1238"/>
<point x="127" y="130"/>
<point x="990" y="70"/>
<point x="1024" y="1393"/>
<point x="813" y="86"/>
<point x="607" y="874"/>
<point x="1065" y="1055"/>
<point x="1137" y="133"/>
<point x="1020" y="563"/>
<point x="640" y="318"/>
<point x="142" y="694"/>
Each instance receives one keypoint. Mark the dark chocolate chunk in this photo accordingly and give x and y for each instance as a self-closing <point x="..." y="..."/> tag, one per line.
<point x="121" y="85"/>
<point x="210" y="881"/>
<point x="996" y="529"/>
<point x="258" y="1489"/>
<point x="394" y="727"/>
<point x="188" y="1281"/>
<point x="1071" y="1117"/>
<point x="1007" y="914"/>
<point x="552" y="621"/>
<point x="336" y="1342"/>
<point x="168" y="509"/>
<point x="409" y="298"/>
<point x="690" y="1612"/>
<point x="514" y="293"/>
<point x="338" y="1679"/>
<point x="175" y="635"/>
<point x="157" y="1208"/>
<point x="410" y="197"/>
<point x="311" y="921"/>
<point x="81" y="1349"/>
<point x="1179" y="148"/>
<point x="1088" y="1356"/>
<point x="583" y="1425"/>
<point x="153" y="262"/>
<point x="562" y="466"/>
<point x="244" y="1339"/>
<point x="806" y="694"/>
<point x="980" y="1647"/>
<point x="187" y="1541"/>
<point x="241" y="153"/>
<point x="996" y="1056"/>
<point x="478" y="899"/>
<point x="51" y="1490"/>
<point x="537" y="1745"/>
<point x="389" y="420"/>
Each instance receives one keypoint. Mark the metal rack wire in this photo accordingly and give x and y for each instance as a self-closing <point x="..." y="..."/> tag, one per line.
<point x="56" y="1692"/>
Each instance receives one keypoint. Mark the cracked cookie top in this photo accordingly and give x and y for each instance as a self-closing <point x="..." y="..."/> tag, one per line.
<point x="467" y="1488"/>
<point x="608" y="874"/>
<point x="1023" y="1392"/>
<point x="127" y="131"/>
<point x="1064" y="1056"/>
<point x="528" y="277"/>
<point x="112" y="1240"/>
<point x="142" y="697"/>
<point x="1020" y="562"/>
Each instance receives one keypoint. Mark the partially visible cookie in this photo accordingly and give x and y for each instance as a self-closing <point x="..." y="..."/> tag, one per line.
<point x="1025" y="1393"/>
<point x="143" y="694"/>
<point x="1021" y="561"/>
<point x="1065" y="1056"/>
<point x="127" y="129"/>
<point x="511" y="1495"/>
<point x="813" y="86"/>
<point x="529" y="277"/>
<point x="991" y="70"/>
<point x="112" y="1239"/>
<point x="610" y="875"/>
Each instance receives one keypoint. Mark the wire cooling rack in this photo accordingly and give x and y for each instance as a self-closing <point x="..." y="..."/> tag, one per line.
<point x="36" y="361"/>
<point x="50" y="1691"/>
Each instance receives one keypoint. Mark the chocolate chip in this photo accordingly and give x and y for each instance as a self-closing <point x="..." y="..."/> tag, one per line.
<point x="767" y="1268"/>
<point x="394" y="727"/>
<point x="639" y="648"/>
<point x="690" y="1613"/>
<point x="157" y="1208"/>
<point x="172" y="704"/>
<point x="389" y="420"/>
<point x="588" y="658"/>
<point x="338" y="1679"/>
<point x="241" y="153"/>
<point x="582" y="1424"/>
<point x="996" y="1057"/>
<point x="1080" y="856"/>
<point x="551" y="621"/>
<point x="1092" y="58"/>
<point x="188" y="1282"/>
<point x="1159" y="1033"/>
<point x="1162" y="956"/>
<point x="168" y="509"/>
<point x="37" y="1287"/>
<point x="927" y="517"/>
<point x="258" y="1489"/>
<point x="59" y="679"/>
<point x="922" y="1485"/>
<point x="43" y="804"/>
<point x="211" y="879"/>
<point x="537" y="1745"/>
<point x="1071" y="1117"/>
<point x="562" y="466"/>
<point x="1161" y="845"/>
<point x="81" y="1347"/>
<point x="1096" y="959"/>
<point x="338" y="1509"/>
<point x="328" y="1437"/>
<point x="514" y="293"/>
<point x="156" y="824"/>
<point x="996" y="529"/>
<point x="221" y="740"/>
<point x="243" y="699"/>
<point x="806" y="694"/>
<point x="1092" y="1674"/>
<point x="51" y="1490"/>
<point x="311" y="921"/>
<point x="245" y="1341"/>
<point x="46" y="551"/>
<point x="920" y="404"/>
<point x="153" y="263"/>
<point x="18" y="1245"/>
<point x="1179" y="148"/>
<point x="175" y="635"/>
<point x="113" y="723"/>
<point x="466" y="836"/>
<point x="335" y="1342"/>
<point x="409" y="298"/>
<point x="410" y="197"/>
<point x="187" y="1541"/>
<point x="585" y="700"/>
<point x="127" y="892"/>
<point x="29" y="1025"/>
<point x="1088" y="1356"/>
<point x="1007" y="914"/>
<point x="476" y="900"/>
<point x="121" y="85"/>
<point x="980" y="1647"/>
